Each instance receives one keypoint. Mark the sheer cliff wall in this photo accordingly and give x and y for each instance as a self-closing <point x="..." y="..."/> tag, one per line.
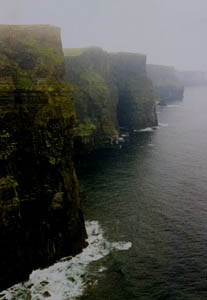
<point x="166" y="84"/>
<point x="40" y="216"/>
<point x="136" y="102"/>
<point x="112" y="91"/>
<point x="95" y="96"/>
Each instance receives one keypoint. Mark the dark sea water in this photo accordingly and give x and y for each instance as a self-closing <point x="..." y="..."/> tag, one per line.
<point x="152" y="192"/>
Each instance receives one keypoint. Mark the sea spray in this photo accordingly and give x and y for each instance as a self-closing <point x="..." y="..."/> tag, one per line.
<point x="148" y="129"/>
<point x="163" y="125"/>
<point x="67" y="279"/>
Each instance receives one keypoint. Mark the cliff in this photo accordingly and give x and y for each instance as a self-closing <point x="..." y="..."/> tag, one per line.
<point x="95" y="96"/>
<point x="166" y="84"/>
<point x="136" y="103"/>
<point x="112" y="91"/>
<point x="192" y="78"/>
<point x="40" y="216"/>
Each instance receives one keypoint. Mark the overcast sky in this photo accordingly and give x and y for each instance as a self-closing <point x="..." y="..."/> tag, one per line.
<point x="170" y="32"/>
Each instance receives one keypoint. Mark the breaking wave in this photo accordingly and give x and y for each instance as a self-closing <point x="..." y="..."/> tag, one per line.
<point x="66" y="279"/>
<point x="163" y="124"/>
<point x="148" y="129"/>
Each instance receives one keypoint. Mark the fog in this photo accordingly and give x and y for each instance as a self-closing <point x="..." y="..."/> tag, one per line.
<point x="170" y="32"/>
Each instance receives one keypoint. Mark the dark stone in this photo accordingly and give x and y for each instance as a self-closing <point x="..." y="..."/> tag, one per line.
<point x="44" y="283"/>
<point x="40" y="217"/>
<point x="112" y="91"/>
<point x="46" y="294"/>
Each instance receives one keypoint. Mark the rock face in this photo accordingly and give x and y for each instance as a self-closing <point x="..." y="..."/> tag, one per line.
<point x="166" y="84"/>
<point x="40" y="216"/>
<point x="136" y="103"/>
<point x="192" y="78"/>
<point x="95" y="96"/>
<point x="112" y="91"/>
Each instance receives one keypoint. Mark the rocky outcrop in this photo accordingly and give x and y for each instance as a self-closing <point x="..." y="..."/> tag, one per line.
<point x="40" y="216"/>
<point x="166" y="84"/>
<point x="112" y="91"/>
<point x="192" y="78"/>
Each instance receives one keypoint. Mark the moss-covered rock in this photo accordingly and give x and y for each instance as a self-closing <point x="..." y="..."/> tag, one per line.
<point x="111" y="91"/>
<point x="166" y="84"/>
<point x="41" y="219"/>
<point x="95" y="96"/>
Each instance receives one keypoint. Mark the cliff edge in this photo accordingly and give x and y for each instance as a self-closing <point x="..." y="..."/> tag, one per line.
<point x="40" y="215"/>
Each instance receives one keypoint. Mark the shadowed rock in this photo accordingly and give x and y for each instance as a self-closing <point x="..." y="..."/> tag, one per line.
<point x="40" y="216"/>
<point x="111" y="91"/>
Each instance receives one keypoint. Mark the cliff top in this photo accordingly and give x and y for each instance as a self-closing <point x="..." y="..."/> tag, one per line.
<point x="31" y="56"/>
<point x="79" y="51"/>
<point x="27" y="27"/>
<point x="132" y="54"/>
<point x="161" y="68"/>
<point x="163" y="75"/>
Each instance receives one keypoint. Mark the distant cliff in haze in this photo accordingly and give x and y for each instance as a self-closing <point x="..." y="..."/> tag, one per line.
<point x="192" y="78"/>
<point x="112" y="91"/>
<point x="166" y="84"/>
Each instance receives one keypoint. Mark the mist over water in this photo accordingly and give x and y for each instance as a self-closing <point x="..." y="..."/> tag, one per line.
<point x="152" y="192"/>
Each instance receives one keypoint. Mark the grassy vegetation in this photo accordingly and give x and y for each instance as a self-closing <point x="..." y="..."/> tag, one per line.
<point x="78" y="51"/>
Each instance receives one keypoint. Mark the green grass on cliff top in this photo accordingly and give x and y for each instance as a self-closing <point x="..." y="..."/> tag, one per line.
<point x="78" y="51"/>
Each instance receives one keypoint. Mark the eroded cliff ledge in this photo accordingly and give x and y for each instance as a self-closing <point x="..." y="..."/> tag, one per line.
<point x="166" y="84"/>
<point x="112" y="92"/>
<point x="40" y="216"/>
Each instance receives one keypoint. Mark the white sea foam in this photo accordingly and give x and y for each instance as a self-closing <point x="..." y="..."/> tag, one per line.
<point x="163" y="124"/>
<point x="122" y="245"/>
<point x="148" y="129"/>
<point x="121" y="139"/>
<point x="67" y="279"/>
<point x="124" y="135"/>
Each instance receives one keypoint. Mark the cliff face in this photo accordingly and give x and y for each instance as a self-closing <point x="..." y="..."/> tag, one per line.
<point x="192" y="78"/>
<point x="95" y="96"/>
<point x="166" y="84"/>
<point x="112" y="91"/>
<point x="40" y="216"/>
<point x="136" y="104"/>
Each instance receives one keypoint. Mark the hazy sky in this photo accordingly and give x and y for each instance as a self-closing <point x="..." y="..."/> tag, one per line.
<point x="170" y="32"/>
